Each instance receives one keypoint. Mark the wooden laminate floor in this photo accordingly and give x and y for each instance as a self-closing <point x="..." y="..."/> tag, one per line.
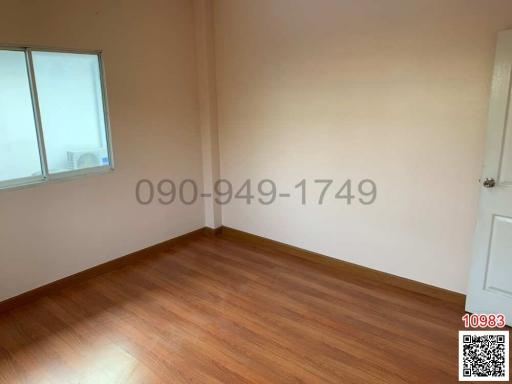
<point x="214" y="310"/>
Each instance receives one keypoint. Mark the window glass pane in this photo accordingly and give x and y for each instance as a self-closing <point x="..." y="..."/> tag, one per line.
<point x="70" y="101"/>
<point x="19" y="151"/>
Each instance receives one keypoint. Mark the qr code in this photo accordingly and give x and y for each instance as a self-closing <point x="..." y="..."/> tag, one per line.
<point x="483" y="356"/>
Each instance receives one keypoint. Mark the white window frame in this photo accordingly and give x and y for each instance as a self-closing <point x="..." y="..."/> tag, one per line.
<point x="46" y="176"/>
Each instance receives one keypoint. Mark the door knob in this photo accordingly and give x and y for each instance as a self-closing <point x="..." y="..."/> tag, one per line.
<point x="489" y="183"/>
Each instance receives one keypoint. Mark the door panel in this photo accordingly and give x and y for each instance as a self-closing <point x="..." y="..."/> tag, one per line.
<point x="490" y="284"/>
<point x="498" y="277"/>
<point x="506" y="158"/>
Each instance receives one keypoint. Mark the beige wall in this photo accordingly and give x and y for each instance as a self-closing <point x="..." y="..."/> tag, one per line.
<point x="53" y="230"/>
<point x="207" y="92"/>
<point x="392" y="90"/>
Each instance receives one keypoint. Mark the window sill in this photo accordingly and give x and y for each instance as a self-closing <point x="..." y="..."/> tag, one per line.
<point x="57" y="177"/>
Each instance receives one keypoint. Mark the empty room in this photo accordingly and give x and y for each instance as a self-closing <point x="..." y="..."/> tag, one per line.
<point x="255" y="191"/>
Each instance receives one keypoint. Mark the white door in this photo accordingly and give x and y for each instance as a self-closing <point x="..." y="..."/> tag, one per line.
<point x="490" y="285"/>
